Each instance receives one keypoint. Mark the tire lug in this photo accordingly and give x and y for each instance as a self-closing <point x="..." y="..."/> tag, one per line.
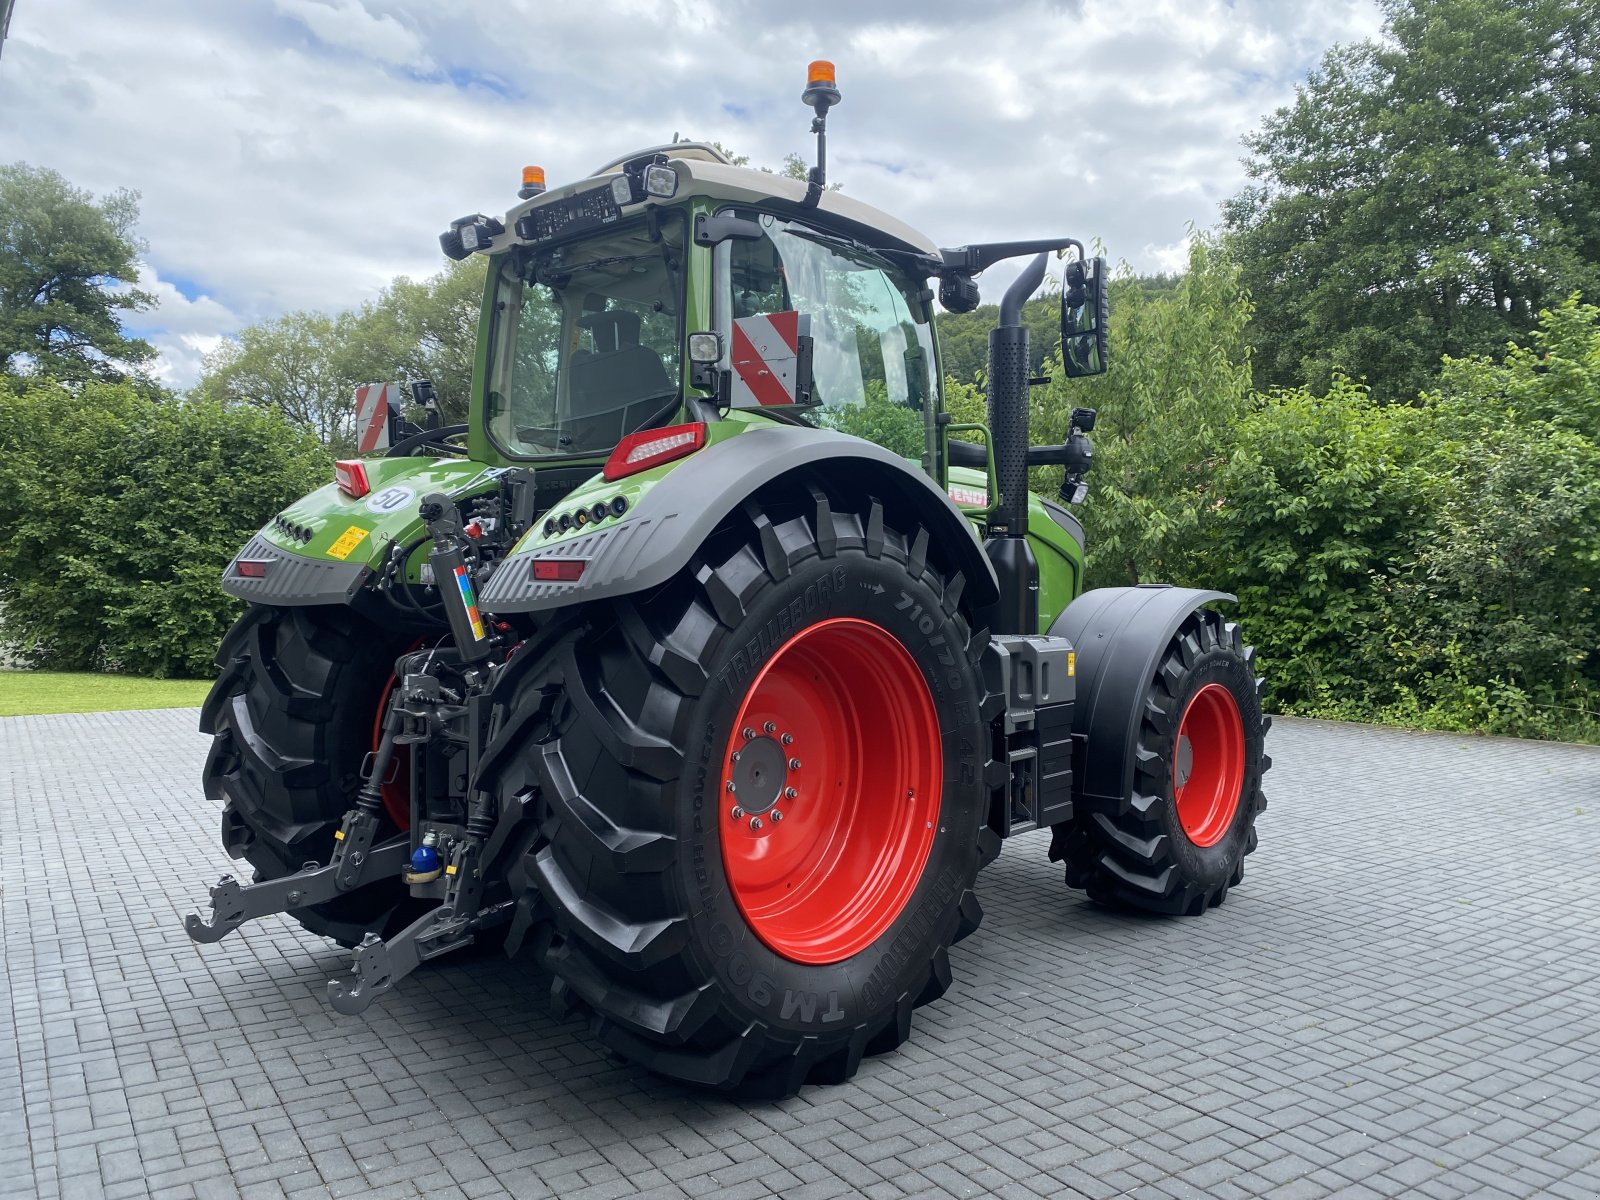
<point x="790" y="793"/>
<point x="794" y="764"/>
<point x="736" y="755"/>
<point x="787" y="739"/>
<point x="777" y="815"/>
<point x="755" y="823"/>
<point x="732" y="787"/>
<point x="749" y="733"/>
<point x="769" y="727"/>
<point x="736" y="813"/>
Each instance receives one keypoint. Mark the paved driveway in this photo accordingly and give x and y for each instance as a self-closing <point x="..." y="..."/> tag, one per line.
<point x="1402" y="999"/>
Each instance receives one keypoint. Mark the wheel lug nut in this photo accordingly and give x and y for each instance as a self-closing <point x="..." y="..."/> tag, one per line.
<point x="790" y="793"/>
<point x="755" y="822"/>
<point x="769" y="727"/>
<point x="736" y="813"/>
<point x="736" y="756"/>
<point x="777" y="815"/>
<point x="788" y="739"/>
<point x="732" y="787"/>
<point x="794" y="764"/>
<point x="749" y="733"/>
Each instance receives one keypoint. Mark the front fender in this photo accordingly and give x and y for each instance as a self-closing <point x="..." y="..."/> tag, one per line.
<point x="674" y="518"/>
<point x="1119" y="635"/>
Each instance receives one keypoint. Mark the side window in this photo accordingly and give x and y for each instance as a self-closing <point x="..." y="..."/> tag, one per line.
<point x="872" y="354"/>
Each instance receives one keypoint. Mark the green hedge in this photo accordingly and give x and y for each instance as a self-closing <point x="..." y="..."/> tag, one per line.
<point x="125" y="505"/>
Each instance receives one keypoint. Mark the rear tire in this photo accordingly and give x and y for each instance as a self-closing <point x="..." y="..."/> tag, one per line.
<point x="292" y="718"/>
<point x="1177" y="843"/>
<point x="623" y="717"/>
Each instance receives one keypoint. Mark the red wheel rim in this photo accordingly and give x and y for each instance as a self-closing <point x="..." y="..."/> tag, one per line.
<point x="1208" y="766"/>
<point x="396" y="790"/>
<point x="830" y="790"/>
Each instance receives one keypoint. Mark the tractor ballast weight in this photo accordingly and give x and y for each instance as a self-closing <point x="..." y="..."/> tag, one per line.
<point x="704" y="664"/>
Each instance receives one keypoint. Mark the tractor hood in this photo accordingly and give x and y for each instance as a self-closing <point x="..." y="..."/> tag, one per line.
<point x="322" y="548"/>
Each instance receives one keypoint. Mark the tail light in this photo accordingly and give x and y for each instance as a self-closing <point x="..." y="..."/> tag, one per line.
<point x="253" y="568"/>
<point x="652" y="447"/>
<point x="559" y="570"/>
<point x="351" y="476"/>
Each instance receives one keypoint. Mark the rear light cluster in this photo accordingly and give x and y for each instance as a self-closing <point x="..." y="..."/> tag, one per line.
<point x="253" y="568"/>
<point x="652" y="447"/>
<point x="351" y="476"/>
<point x="559" y="570"/>
<point x="582" y="518"/>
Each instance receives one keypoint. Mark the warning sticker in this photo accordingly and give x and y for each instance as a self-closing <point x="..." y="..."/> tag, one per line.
<point x="346" y="542"/>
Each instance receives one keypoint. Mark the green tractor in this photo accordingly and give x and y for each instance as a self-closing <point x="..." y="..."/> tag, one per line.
<point x="655" y="671"/>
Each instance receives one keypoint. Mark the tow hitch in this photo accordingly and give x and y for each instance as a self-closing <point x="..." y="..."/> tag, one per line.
<point x="441" y="698"/>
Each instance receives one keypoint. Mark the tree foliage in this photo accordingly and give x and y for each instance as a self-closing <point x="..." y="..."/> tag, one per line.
<point x="306" y="365"/>
<point x="130" y="503"/>
<point x="67" y="265"/>
<point x="1432" y="565"/>
<point x="1425" y="195"/>
<point x="1179" y="382"/>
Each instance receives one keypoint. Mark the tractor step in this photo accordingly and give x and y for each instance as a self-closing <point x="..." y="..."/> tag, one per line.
<point x="233" y="903"/>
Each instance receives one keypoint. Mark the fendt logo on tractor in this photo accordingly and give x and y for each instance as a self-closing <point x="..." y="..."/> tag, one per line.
<point x="651" y="671"/>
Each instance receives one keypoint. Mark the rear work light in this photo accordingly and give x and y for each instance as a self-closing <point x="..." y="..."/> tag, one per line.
<point x="652" y="447"/>
<point x="559" y="570"/>
<point x="351" y="476"/>
<point x="254" y="568"/>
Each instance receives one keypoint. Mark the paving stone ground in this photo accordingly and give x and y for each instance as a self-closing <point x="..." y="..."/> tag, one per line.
<point x="1401" y="1000"/>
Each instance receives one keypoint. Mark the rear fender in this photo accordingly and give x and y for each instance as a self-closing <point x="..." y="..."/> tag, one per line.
<point x="674" y="518"/>
<point x="1119" y="635"/>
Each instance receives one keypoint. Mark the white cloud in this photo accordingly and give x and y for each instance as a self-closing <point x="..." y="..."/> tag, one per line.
<point x="347" y="24"/>
<point x="183" y="330"/>
<point x="299" y="153"/>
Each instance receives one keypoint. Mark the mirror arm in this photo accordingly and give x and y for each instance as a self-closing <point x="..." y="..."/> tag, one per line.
<point x="969" y="260"/>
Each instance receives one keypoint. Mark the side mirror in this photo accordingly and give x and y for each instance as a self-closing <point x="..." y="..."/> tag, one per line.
<point x="1085" y="318"/>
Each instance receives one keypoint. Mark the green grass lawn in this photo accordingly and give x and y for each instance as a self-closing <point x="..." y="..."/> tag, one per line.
<point x="28" y="693"/>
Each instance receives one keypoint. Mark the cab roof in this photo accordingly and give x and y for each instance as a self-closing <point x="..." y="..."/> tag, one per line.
<point x="704" y="171"/>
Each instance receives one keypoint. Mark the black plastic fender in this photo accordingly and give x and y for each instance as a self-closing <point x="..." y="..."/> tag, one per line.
<point x="664" y="529"/>
<point x="1119" y="635"/>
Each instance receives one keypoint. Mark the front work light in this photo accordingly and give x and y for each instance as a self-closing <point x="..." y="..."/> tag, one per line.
<point x="705" y="348"/>
<point x="469" y="234"/>
<point x="622" y="190"/>
<point x="661" y="182"/>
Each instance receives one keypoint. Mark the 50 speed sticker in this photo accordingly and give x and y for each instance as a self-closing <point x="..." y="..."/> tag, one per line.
<point x="391" y="499"/>
<point x="346" y="542"/>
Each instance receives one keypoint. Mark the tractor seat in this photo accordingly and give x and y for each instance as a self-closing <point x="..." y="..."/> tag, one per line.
<point x="620" y="371"/>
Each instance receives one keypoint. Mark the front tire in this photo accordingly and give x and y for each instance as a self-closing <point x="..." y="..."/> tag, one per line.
<point x="1176" y="844"/>
<point x="710" y="939"/>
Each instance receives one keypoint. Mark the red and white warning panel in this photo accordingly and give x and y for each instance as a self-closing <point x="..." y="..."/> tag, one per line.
<point x="766" y="357"/>
<point x="374" y="404"/>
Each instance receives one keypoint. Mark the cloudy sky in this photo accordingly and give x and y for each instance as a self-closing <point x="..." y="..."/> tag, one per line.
<point x="300" y="153"/>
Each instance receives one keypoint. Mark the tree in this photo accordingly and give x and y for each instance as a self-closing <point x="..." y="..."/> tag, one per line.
<point x="148" y="499"/>
<point x="307" y="365"/>
<point x="964" y="337"/>
<point x="1179" y="383"/>
<point x="66" y="263"/>
<point x="1425" y="195"/>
